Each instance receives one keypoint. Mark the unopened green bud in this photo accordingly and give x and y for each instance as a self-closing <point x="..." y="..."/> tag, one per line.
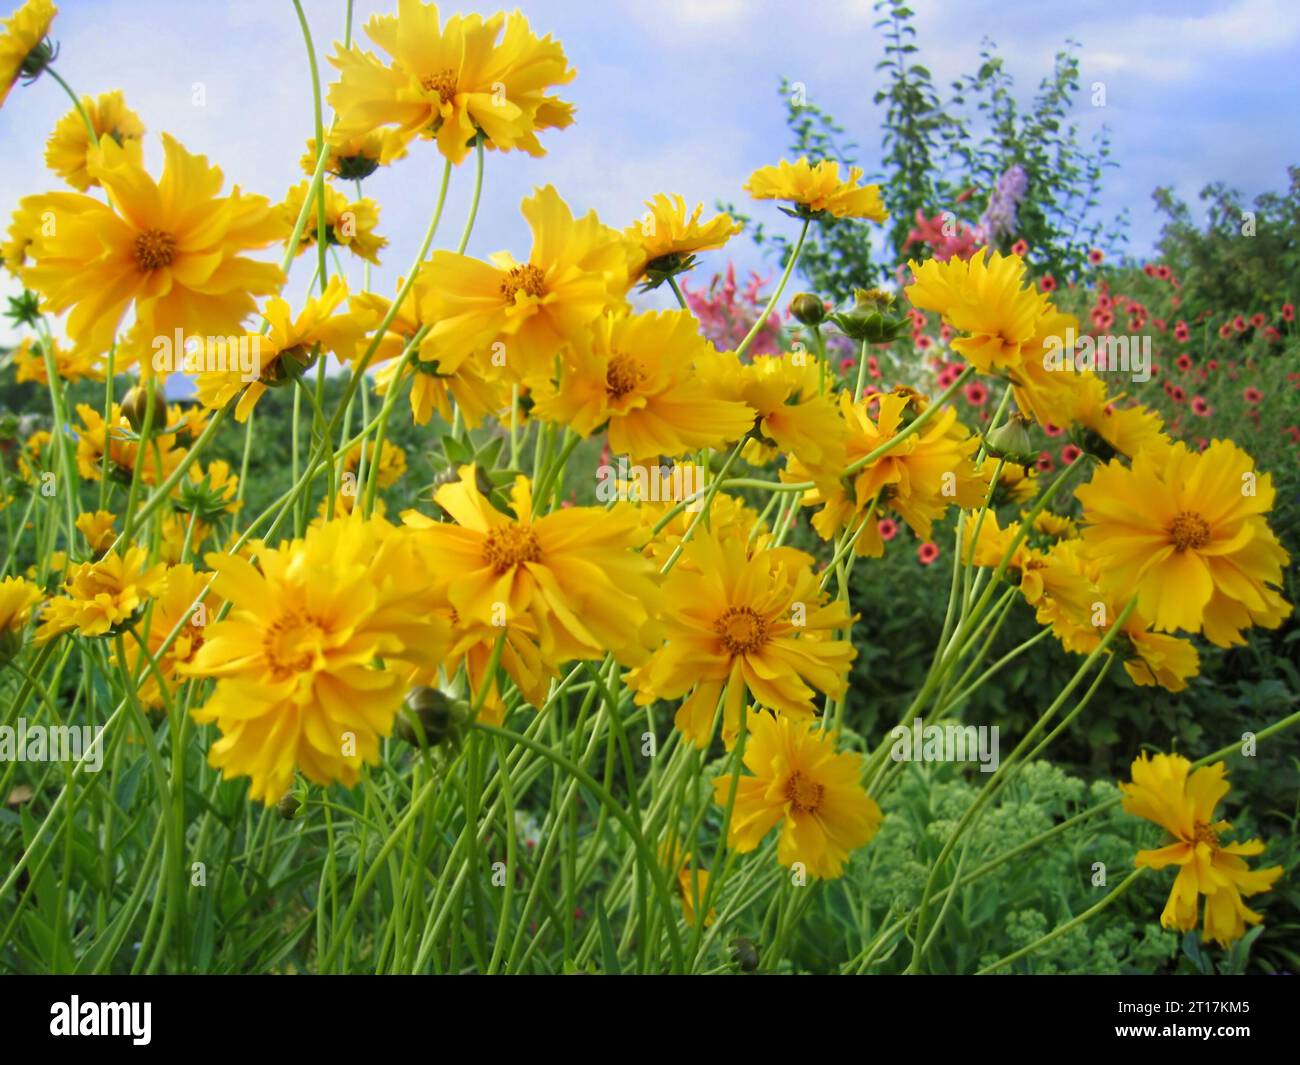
<point x="1011" y="441"/>
<point x="135" y="405"/>
<point x="808" y="309"/>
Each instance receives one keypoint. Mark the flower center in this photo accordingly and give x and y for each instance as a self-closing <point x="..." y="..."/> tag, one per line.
<point x="1189" y="530"/>
<point x="443" y="83"/>
<point x="154" y="249"/>
<point x="803" y="794"/>
<point x="1203" y="833"/>
<point x="622" y="376"/>
<point x="292" y="643"/>
<point x="742" y="630"/>
<point x="527" y="277"/>
<point x="509" y="545"/>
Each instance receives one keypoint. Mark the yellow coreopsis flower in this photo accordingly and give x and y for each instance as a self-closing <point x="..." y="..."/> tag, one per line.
<point x="1080" y="612"/>
<point x="23" y="51"/>
<point x="101" y="596"/>
<point x="818" y="189"/>
<point x="17" y="597"/>
<point x="576" y="572"/>
<point x="356" y="156"/>
<point x="349" y="225"/>
<point x="97" y="528"/>
<point x="792" y="414"/>
<point x="69" y="151"/>
<point x="692" y="882"/>
<point x="392" y="461"/>
<point x="452" y="82"/>
<point x="177" y="607"/>
<point x="161" y="457"/>
<point x="918" y="479"/>
<point x="436" y="378"/>
<point x="172" y="248"/>
<point x="1186" y="531"/>
<point x="755" y="624"/>
<point x="297" y="659"/>
<point x="1166" y="791"/>
<point x="800" y="783"/>
<point x="1125" y="429"/>
<point x="72" y="366"/>
<point x="635" y="373"/>
<point x="668" y="238"/>
<point x="986" y="298"/>
<point x="517" y="316"/>
<point x="290" y="346"/>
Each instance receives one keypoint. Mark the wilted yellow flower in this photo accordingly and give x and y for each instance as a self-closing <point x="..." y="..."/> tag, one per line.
<point x="295" y="660"/>
<point x="451" y="82"/>
<point x="635" y="373"/>
<point x="1166" y="791"/>
<point x="101" y="596"/>
<point x="800" y="783"/>
<point x="23" y="53"/>
<point x="69" y="150"/>
<point x="818" y="189"/>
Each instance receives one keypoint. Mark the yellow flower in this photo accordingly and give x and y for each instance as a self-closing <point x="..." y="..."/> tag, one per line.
<point x="175" y="532"/>
<point x="177" y="607"/>
<point x="452" y="81"/>
<point x="1055" y="526"/>
<point x="519" y="315"/>
<point x="23" y="52"/>
<point x="436" y="379"/>
<point x="791" y="412"/>
<point x="296" y="659"/>
<point x="800" y="783"/>
<point x="290" y="346"/>
<point x="1125" y="429"/>
<point x="101" y="596"/>
<point x="1016" y="483"/>
<point x="692" y="882"/>
<point x="986" y="298"/>
<point x="72" y="366"/>
<point x="392" y="462"/>
<point x="17" y="597"/>
<point x="575" y="572"/>
<point x="69" y="150"/>
<point x="1080" y="612"/>
<point x="635" y="374"/>
<point x="1186" y="531"/>
<point x="349" y="225"/>
<point x="818" y="189"/>
<point x="755" y="624"/>
<point x="990" y="544"/>
<point x="668" y="239"/>
<point x="356" y="156"/>
<point x="1165" y="790"/>
<point x="173" y="248"/>
<point x="918" y="479"/>
<point x="97" y="528"/>
<point x="161" y="457"/>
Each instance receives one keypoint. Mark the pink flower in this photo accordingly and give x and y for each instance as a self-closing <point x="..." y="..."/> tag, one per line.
<point x="976" y="394"/>
<point x="927" y="553"/>
<point x="1253" y="395"/>
<point x="887" y="528"/>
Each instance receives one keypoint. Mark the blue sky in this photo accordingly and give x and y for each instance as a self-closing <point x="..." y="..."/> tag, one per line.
<point x="681" y="96"/>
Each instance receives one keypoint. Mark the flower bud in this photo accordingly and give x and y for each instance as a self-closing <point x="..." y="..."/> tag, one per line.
<point x="867" y="319"/>
<point x="808" y="309"/>
<point x="1011" y="441"/>
<point x="434" y="713"/>
<point x="135" y="405"/>
<point x="744" y="954"/>
<point x="288" y="806"/>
